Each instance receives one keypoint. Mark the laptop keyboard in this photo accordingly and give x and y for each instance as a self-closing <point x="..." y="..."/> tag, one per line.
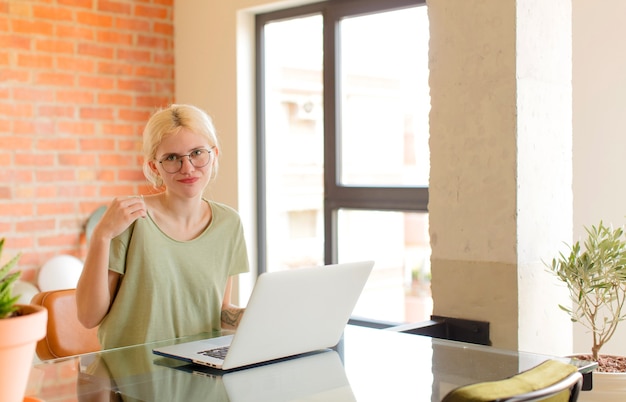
<point x="218" y="353"/>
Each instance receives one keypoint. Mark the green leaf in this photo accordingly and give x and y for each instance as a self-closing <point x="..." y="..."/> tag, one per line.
<point x="7" y="279"/>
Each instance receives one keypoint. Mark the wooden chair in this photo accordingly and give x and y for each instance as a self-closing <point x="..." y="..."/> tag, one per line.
<point x="550" y="381"/>
<point x="65" y="336"/>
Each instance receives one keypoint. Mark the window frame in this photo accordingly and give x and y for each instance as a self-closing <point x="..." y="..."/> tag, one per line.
<point x="336" y="196"/>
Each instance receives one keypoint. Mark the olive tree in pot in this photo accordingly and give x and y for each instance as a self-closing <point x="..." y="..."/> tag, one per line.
<point x="595" y="276"/>
<point x="21" y="326"/>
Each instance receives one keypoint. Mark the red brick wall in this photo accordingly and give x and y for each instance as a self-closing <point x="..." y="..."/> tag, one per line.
<point x="78" y="80"/>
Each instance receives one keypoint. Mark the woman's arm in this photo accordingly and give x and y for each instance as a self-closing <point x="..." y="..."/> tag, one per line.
<point x="97" y="285"/>
<point x="231" y="315"/>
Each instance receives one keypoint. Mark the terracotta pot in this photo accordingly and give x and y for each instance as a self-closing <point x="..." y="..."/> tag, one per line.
<point x="607" y="387"/>
<point x="18" y="338"/>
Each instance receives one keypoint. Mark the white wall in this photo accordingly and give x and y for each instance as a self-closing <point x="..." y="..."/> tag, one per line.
<point x="599" y="119"/>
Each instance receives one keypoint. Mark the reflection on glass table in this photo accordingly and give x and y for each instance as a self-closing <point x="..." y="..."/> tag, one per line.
<point x="367" y="365"/>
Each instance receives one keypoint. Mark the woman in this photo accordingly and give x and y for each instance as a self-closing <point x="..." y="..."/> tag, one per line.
<point x="161" y="266"/>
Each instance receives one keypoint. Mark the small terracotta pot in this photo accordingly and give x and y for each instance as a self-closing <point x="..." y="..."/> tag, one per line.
<point x="18" y="338"/>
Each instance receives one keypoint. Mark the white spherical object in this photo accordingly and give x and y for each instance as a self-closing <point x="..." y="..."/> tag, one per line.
<point x="25" y="290"/>
<point x="59" y="272"/>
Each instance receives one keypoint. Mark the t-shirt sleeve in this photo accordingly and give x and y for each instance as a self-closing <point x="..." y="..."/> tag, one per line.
<point x="240" y="263"/>
<point x="118" y="251"/>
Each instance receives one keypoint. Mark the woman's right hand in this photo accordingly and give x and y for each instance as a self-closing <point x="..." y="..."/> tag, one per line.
<point x="119" y="215"/>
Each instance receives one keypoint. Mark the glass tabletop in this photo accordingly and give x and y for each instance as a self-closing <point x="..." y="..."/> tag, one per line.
<point x="367" y="365"/>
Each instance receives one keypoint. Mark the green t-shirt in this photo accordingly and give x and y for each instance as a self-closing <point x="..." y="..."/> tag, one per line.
<point x="170" y="288"/>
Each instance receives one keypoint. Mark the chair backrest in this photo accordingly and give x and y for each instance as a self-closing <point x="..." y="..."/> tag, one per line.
<point x="65" y="335"/>
<point x="550" y="381"/>
<point x="567" y="389"/>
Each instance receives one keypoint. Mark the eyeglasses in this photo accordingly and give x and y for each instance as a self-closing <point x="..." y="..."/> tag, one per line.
<point x="198" y="158"/>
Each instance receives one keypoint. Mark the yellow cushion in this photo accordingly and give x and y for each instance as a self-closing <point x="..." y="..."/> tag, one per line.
<point x="547" y="373"/>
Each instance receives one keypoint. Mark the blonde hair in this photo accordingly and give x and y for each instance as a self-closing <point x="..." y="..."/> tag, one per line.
<point x="169" y="121"/>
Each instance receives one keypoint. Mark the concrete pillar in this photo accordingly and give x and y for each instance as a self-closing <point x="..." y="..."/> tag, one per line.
<point x="501" y="165"/>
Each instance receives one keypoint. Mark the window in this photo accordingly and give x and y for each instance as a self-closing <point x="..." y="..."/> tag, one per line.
<point x="343" y="157"/>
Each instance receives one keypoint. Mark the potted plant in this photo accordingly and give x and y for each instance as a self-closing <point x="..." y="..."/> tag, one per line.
<point x="595" y="275"/>
<point x="21" y="326"/>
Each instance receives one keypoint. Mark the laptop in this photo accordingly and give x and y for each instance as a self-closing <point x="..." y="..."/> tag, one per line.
<point x="289" y="313"/>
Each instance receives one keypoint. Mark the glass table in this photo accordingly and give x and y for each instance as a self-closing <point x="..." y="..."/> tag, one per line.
<point x="367" y="365"/>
